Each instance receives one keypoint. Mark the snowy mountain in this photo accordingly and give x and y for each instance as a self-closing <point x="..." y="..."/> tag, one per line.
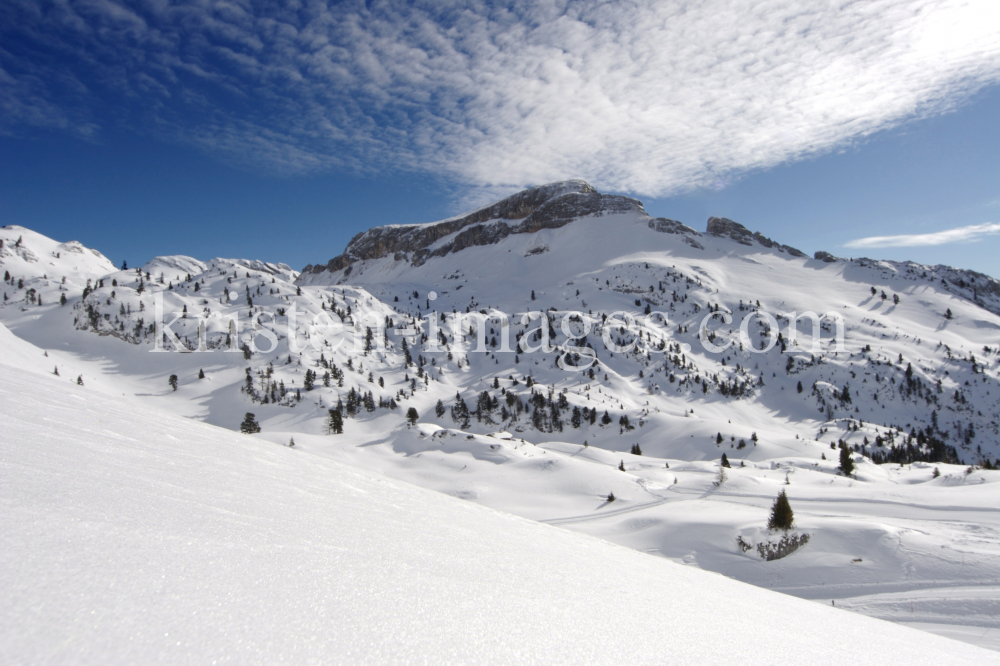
<point x="919" y="343"/>
<point x="551" y="429"/>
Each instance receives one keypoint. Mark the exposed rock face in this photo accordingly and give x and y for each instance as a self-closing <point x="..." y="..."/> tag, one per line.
<point x="825" y="256"/>
<point x="726" y="228"/>
<point x="546" y="207"/>
<point x="665" y="226"/>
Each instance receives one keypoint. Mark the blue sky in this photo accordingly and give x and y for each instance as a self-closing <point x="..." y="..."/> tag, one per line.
<point x="235" y="129"/>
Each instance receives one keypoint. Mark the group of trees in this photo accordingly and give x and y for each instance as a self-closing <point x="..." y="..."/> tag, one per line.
<point x="270" y="392"/>
<point x="546" y="411"/>
<point x="356" y="401"/>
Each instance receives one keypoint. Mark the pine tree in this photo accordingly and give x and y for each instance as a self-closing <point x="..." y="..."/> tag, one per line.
<point x="781" y="514"/>
<point x="201" y="374"/>
<point x="611" y="497"/>
<point x="309" y="380"/>
<point x="173" y="382"/>
<point x="62" y="299"/>
<point x="725" y="461"/>
<point x="621" y="465"/>
<point x="718" y="438"/>
<point x="249" y="425"/>
<point x="56" y="371"/>
<point x="412" y="415"/>
<point x="846" y="461"/>
<point x="439" y="409"/>
<point x="947" y="314"/>
<point x="335" y="422"/>
<point x="798" y="387"/>
<point x="79" y="380"/>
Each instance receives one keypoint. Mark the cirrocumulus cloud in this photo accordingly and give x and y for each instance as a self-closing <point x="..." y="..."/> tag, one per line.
<point x="647" y="98"/>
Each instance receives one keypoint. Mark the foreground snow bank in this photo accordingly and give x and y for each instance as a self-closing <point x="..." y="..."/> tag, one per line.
<point x="133" y="536"/>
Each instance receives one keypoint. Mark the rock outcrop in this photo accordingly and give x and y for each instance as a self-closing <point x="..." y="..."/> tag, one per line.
<point x="545" y="207"/>
<point x="665" y="226"/>
<point x="722" y="227"/>
<point x="824" y="256"/>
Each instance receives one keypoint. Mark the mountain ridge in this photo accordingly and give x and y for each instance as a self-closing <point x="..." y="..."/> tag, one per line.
<point x="549" y="433"/>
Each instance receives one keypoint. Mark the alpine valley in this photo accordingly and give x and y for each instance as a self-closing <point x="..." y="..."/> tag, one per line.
<point x="562" y="356"/>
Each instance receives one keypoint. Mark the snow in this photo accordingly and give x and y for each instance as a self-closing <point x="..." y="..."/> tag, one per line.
<point x="135" y="536"/>
<point x="894" y="542"/>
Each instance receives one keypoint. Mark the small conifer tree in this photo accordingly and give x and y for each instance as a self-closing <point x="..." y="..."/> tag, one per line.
<point x="335" y="422"/>
<point x="781" y="514"/>
<point x="173" y="382"/>
<point x="621" y="465"/>
<point x="846" y="462"/>
<point x="201" y="374"/>
<point x="412" y="415"/>
<point x="249" y="425"/>
<point x="725" y="461"/>
<point x="611" y="497"/>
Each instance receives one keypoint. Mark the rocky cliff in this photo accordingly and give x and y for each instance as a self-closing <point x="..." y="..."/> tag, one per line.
<point x="545" y="207"/>
<point x="726" y="228"/>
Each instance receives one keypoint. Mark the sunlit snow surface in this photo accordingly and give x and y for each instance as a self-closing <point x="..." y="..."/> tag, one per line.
<point x="135" y="536"/>
<point x="894" y="542"/>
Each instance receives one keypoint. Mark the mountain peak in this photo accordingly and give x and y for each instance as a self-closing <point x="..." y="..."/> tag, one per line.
<point x="544" y="207"/>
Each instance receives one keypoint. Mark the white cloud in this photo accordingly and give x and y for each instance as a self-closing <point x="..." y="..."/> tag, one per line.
<point x="636" y="97"/>
<point x="968" y="233"/>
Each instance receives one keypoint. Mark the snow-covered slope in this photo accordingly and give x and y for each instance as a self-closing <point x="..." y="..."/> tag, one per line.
<point x="133" y="536"/>
<point x="925" y="364"/>
<point x="526" y="433"/>
<point x="37" y="267"/>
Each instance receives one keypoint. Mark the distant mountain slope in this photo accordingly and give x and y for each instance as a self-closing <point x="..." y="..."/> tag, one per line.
<point x="132" y="536"/>
<point x="548" y="431"/>
<point x="920" y="342"/>
<point x="41" y="268"/>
